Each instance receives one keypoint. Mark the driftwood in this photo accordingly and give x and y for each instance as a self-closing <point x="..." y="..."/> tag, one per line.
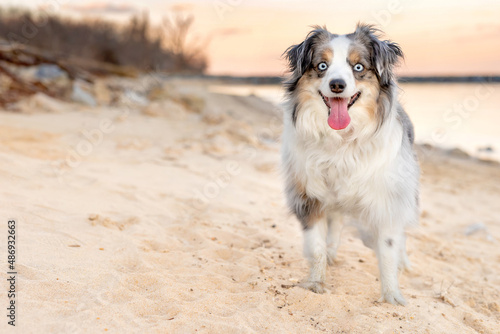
<point x="23" y="85"/>
<point x="17" y="55"/>
<point x="21" y="56"/>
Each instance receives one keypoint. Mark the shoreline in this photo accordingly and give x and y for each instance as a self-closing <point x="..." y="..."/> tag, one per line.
<point x="277" y="80"/>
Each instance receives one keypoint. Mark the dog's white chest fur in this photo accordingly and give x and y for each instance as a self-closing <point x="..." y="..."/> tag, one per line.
<point x="349" y="177"/>
<point x="338" y="176"/>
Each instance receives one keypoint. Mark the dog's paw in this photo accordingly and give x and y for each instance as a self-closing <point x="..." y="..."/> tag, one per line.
<point x="331" y="255"/>
<point x="393" y="297"/>
<point x="316" y="287"/>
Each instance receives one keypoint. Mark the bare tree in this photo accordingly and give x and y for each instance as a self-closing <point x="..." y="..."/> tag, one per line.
<point x="188" y="54"/>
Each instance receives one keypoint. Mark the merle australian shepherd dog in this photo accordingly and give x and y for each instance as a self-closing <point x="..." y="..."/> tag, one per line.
<point x="348" y="151"/>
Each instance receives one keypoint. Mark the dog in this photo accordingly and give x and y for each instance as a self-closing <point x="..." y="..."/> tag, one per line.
<point x="347" y="150"/>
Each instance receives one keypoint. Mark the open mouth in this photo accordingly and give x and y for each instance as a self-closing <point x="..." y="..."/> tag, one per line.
<point x="338" y="110"/>
<point x="353" y="100"/>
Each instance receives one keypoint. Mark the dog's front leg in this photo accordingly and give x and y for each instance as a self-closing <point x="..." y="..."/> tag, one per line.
<point x="388" y="248"/>
<point x="315" y="252"/>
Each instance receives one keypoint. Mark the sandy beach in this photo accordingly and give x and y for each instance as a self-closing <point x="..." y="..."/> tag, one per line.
<point x="163" y="212"/>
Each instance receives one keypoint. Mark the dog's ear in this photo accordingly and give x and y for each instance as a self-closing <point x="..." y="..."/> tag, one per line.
<point x="300" y="56"/>
<point x="384" y="54"/>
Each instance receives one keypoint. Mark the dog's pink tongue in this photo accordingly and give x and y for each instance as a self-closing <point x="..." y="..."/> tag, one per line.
<point x="339" y="117"/>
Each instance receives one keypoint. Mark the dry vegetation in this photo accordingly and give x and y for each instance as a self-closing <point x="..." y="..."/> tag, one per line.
<point x="138" y="43"/>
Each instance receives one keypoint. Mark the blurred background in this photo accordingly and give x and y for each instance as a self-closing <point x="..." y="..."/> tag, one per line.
<point x="452" y="49"/>
<point x="239" y="37"/>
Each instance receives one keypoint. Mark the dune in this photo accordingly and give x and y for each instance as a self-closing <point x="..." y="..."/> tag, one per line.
<point x="169" y="217"/>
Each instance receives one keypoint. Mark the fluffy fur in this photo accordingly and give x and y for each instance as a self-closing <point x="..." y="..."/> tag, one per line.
<point x="368" y="170"/>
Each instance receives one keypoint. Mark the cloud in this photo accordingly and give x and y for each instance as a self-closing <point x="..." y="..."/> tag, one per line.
<point x="182" y="7"/>
<point x="102" y="8"/>
<point x="232" y="31"/>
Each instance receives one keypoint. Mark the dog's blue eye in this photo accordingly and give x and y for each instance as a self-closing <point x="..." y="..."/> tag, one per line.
<point x="359" y="67"/>
<point x="322" y="66"/>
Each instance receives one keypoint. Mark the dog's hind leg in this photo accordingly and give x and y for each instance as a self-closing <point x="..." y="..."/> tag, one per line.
<point x="315" y="250"/>
<point x="335" y="225"/>
<point x="388" y="247"/>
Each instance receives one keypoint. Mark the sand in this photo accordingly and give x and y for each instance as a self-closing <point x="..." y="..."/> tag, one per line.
<point x="169" y="217"/>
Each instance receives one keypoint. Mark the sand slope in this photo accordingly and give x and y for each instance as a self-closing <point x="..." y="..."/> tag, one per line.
<point x="172" y="220"/>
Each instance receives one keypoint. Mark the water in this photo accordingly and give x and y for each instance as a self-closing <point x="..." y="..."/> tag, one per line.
<point x="447" y="115"/>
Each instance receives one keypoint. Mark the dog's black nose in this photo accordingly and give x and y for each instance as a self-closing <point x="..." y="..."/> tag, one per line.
<point x="337" y="85"/>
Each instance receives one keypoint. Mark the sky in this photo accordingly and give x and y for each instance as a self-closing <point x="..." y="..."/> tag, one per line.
<point x="245" y="37"/>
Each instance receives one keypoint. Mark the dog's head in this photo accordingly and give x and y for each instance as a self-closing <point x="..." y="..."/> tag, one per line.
<point x="345" y="71"/>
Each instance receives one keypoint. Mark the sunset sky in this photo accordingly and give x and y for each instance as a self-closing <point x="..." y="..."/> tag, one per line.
<point x="248" y="37"/>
